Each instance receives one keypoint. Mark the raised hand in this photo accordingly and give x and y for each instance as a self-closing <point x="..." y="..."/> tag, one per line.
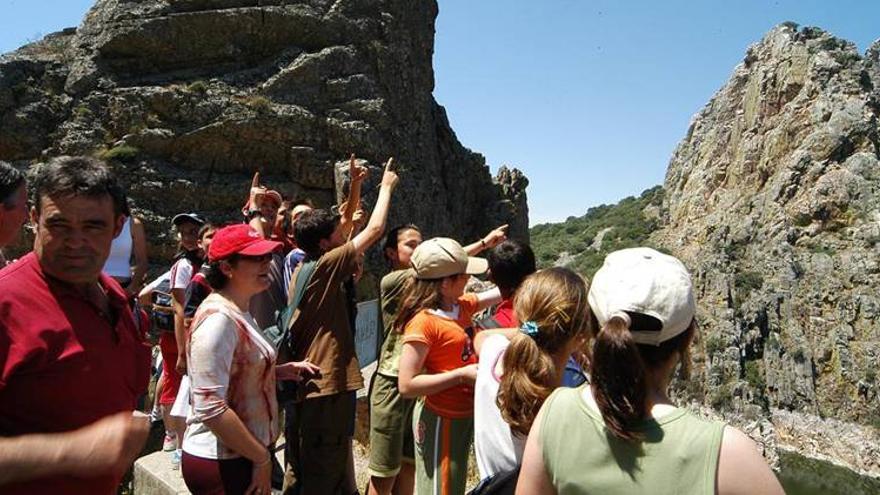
<point x="495" y="237"/>
<point x="389" y="177"/>
<point x="357" y="172"/>
<point x="255" y="190"/>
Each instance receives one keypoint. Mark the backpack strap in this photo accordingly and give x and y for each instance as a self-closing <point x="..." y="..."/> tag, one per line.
<point x="488" y="323"/>
<point x="281" y="333"/>
<point x="302" y="279"/>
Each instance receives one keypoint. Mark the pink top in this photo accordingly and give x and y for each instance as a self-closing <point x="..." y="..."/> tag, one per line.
<point x="231" y="366"/>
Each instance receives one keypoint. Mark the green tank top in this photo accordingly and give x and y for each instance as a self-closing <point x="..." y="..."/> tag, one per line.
<point x="678" y="456"/>
<point x="391" y="289"/>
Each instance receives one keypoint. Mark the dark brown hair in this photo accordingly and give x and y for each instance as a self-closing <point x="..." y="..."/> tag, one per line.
<point x="10" y="180"/>
<point x="77" y="176"/>
<point x="393" y="237"/>
<point x="619" y="370"/>
<point x="554" y="301"/>
<point x="313" y="226"/>
<point x="509" y="264"/>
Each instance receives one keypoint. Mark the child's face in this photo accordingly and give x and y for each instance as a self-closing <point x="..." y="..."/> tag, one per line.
<point x="205" y="241"/>
<point x="453" y="286"/>
<point x="280" y="216"/>
<point x="189" y="235"/>
<point x="407" y="241"/>
<point x="269" y="210"/>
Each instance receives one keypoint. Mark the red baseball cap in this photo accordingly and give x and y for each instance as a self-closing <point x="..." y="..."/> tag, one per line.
<point x="239" y="239"/>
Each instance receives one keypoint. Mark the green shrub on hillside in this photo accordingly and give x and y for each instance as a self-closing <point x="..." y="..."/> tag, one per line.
<point x="199" y="86"/>
<point x="122" y="153"/>
<point x="749" y="280"/>
<point x="627" y="221"/>
<point x="259" y="103"/>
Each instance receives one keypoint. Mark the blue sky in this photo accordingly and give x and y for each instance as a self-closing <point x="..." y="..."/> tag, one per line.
<point x="588" y="97"/>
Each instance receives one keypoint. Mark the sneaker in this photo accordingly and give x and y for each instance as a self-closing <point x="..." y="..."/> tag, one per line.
<point x="175" y="459"/>
<point x="170" y="442"/>
<point x="155" y="414"/>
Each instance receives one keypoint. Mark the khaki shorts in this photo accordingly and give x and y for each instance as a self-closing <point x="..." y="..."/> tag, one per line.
<point x="391" y="438"/>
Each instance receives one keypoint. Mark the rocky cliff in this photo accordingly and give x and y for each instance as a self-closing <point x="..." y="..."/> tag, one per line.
<point x="773" y="200"/>
<point x="189" y="98"/>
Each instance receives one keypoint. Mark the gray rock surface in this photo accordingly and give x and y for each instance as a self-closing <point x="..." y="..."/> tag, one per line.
<point x="773" y="201"/>
<point x="193" y="96"/>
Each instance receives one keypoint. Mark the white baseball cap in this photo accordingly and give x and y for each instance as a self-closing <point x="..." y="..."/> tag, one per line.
<point x="441" y="257"/>
<point x="642" y="280"/>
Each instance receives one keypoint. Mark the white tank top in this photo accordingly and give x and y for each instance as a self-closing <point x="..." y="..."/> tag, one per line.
<point x="118" y="264"/>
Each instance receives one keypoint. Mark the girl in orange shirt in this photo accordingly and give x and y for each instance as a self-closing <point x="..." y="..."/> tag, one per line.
<point x="438" y="361"/>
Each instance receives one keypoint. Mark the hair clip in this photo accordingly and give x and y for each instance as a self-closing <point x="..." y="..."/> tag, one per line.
<point x="529" y="328"/>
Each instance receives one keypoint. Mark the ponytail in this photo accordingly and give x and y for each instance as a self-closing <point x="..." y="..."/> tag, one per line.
<point x="529" y="378"/>
<point x="552" y="305"/>
<point x="618" y="378"/>
<point x="619" y="369"/>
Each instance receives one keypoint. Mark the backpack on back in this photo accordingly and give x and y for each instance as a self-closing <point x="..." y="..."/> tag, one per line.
<point x="162" y="311"/>
<point x="279" y="334"/>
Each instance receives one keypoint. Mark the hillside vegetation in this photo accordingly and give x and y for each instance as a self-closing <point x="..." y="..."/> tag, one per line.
<point x="581" y="243"/>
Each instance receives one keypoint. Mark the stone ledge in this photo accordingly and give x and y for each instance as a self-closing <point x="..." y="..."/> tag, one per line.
<point x="153" y="475"/>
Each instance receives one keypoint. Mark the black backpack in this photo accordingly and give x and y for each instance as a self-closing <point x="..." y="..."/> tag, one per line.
<point x="162" y="312"/>
<point x="503" y="483"/>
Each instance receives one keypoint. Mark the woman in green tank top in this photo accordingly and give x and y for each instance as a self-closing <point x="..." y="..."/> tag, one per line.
<point x="621" y="433"/>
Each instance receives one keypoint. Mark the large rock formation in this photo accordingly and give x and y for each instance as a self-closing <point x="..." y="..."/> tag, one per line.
<point x="192" y="96"/>
<point x="773" y="200"/>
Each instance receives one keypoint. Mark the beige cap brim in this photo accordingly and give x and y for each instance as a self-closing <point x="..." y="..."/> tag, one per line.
<point x="476" y="266"/>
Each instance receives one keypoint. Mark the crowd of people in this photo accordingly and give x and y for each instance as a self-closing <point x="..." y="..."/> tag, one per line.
<point x="558" y="383"/>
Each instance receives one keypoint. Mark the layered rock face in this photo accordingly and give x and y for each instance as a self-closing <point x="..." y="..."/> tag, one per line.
<point x="193" y="96"/>
<point x="773" y="200"/>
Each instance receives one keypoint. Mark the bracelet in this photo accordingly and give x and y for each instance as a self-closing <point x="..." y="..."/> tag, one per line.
<point x="483" y="243"/>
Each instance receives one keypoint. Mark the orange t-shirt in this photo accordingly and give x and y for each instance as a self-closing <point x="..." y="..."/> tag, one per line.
<point x="449" y="347"/>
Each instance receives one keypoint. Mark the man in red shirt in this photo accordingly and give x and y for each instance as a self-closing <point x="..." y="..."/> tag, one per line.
<point x="72" y="362"/>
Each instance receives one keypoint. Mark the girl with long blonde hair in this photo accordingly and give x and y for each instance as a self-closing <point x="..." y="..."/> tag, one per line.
<point x="519" y="368"/>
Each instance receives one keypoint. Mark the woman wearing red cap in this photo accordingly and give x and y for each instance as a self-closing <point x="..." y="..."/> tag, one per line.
<point x="234" y="417"/>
